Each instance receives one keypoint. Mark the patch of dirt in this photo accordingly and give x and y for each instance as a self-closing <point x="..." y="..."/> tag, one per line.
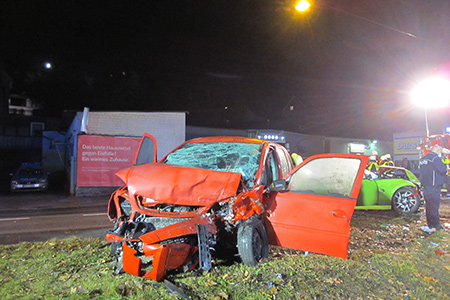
<point x="378" y="231"/>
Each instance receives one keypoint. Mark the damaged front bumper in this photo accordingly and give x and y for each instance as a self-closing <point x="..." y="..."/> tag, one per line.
<point x="163" y="257"/>
<point x="152" y="254"/>
<point x="154" y="239"/>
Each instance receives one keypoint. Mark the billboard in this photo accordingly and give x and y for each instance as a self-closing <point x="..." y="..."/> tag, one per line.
<point x="101" y="157"/>
<point x="405" y="145"/>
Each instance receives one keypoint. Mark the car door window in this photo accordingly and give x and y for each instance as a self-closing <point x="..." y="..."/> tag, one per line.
<point x="326" y="176"/>
<point x="285" y="163"/>
<point x="271" y="172"/>
<point x="147" y="150"/>
<point x="274" y="168"/>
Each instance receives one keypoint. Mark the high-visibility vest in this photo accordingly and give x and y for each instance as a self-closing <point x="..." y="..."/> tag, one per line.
<point x="373" y="166"/>
<point x="387" y="163"/>
<point x="446" y="161"/>
<point x="296" y="158"/>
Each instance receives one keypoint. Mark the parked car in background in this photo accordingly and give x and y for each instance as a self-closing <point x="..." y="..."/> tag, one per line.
<point x="393" y="188"/>
<point x="229" y="196"/>
<point x="29" y="177"/>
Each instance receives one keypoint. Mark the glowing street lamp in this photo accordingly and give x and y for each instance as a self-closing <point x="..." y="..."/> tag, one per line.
<point x="431" y="93"/>
<point x="302" y="5"/>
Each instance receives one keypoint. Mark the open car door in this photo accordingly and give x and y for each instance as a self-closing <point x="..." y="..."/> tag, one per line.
<point x="147" y="150"/>
<point x="314" y="212"/>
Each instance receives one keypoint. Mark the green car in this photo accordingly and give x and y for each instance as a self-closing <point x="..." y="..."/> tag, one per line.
<point x="393" y="188"/>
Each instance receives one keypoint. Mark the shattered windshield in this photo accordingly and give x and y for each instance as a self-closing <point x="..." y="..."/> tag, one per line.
<point x="231" y="157"/>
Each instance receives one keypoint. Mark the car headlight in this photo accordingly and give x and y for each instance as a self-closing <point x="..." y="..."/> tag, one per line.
<point x="43" y="180"/>
<point x="146" y="201"/>
<point x="14" y="182"/>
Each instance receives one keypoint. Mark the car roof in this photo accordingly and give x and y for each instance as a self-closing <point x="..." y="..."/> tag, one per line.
<point x="30" y="165"/>
<point x="226" y="139"/>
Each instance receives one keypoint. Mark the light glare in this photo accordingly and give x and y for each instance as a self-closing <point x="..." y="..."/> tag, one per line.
<point x="303" y="5"/>
<point x="433" y="92"/>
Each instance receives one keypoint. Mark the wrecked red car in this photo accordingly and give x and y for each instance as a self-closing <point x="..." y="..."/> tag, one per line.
<point x="229" y="195"/>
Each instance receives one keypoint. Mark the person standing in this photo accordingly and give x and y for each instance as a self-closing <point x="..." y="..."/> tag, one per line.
<point x="375" y="154"/>
<point x="445" y="188"/>
<point x="296" y="158"/>
<point x="372" y="165"/>
<point x="405" y="163"/>
<point x="432" y="173"/>
<point x="386" y="160"/>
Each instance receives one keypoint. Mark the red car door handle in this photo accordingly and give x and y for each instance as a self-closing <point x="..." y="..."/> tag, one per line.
<point x="339" y="214"/>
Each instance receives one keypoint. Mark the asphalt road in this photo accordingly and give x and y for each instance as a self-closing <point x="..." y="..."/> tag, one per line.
<point x="29" y="217"/>
<point x="43" y="216"/>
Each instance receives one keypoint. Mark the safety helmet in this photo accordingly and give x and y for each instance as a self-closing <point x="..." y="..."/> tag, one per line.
<point x="375" y="152"/>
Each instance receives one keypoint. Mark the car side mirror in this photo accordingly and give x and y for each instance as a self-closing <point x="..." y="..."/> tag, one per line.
<point x="279" y="185"/>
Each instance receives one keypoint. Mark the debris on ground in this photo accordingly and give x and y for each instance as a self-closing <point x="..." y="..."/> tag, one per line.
<point x="427" y="229"/>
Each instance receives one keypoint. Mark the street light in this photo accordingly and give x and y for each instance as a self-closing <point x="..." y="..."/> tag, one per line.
<point x="431" y="93"/>
<point x="302" y="5"/>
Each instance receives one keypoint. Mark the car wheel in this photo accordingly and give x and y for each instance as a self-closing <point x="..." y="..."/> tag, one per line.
<point x="253" y="244"/>
<point x="406" y="200"/>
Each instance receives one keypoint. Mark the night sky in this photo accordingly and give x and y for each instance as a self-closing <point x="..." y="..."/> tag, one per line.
<point x="345" y="68"/>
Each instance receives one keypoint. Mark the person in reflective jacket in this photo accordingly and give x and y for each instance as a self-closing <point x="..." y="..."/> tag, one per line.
<point x="446" y="161"/>
<point x="432" y="173"/>
<point x="386" y="160"/>
<point x="372" y="166"/>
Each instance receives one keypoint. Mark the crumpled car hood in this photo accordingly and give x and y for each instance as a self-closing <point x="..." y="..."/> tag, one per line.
<point x="173" y="184"/>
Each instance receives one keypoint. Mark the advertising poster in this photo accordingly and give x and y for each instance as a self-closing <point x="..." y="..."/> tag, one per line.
<point x="405" y="145"/>
<point x="100" y="157"/>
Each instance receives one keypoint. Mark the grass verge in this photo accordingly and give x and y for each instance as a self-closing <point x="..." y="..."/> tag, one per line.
<point x="390" y="257"/>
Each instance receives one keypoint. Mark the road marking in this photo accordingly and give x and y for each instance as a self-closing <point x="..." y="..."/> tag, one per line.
<point x="15" y="219"/>
<point x="97" y="214"/>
